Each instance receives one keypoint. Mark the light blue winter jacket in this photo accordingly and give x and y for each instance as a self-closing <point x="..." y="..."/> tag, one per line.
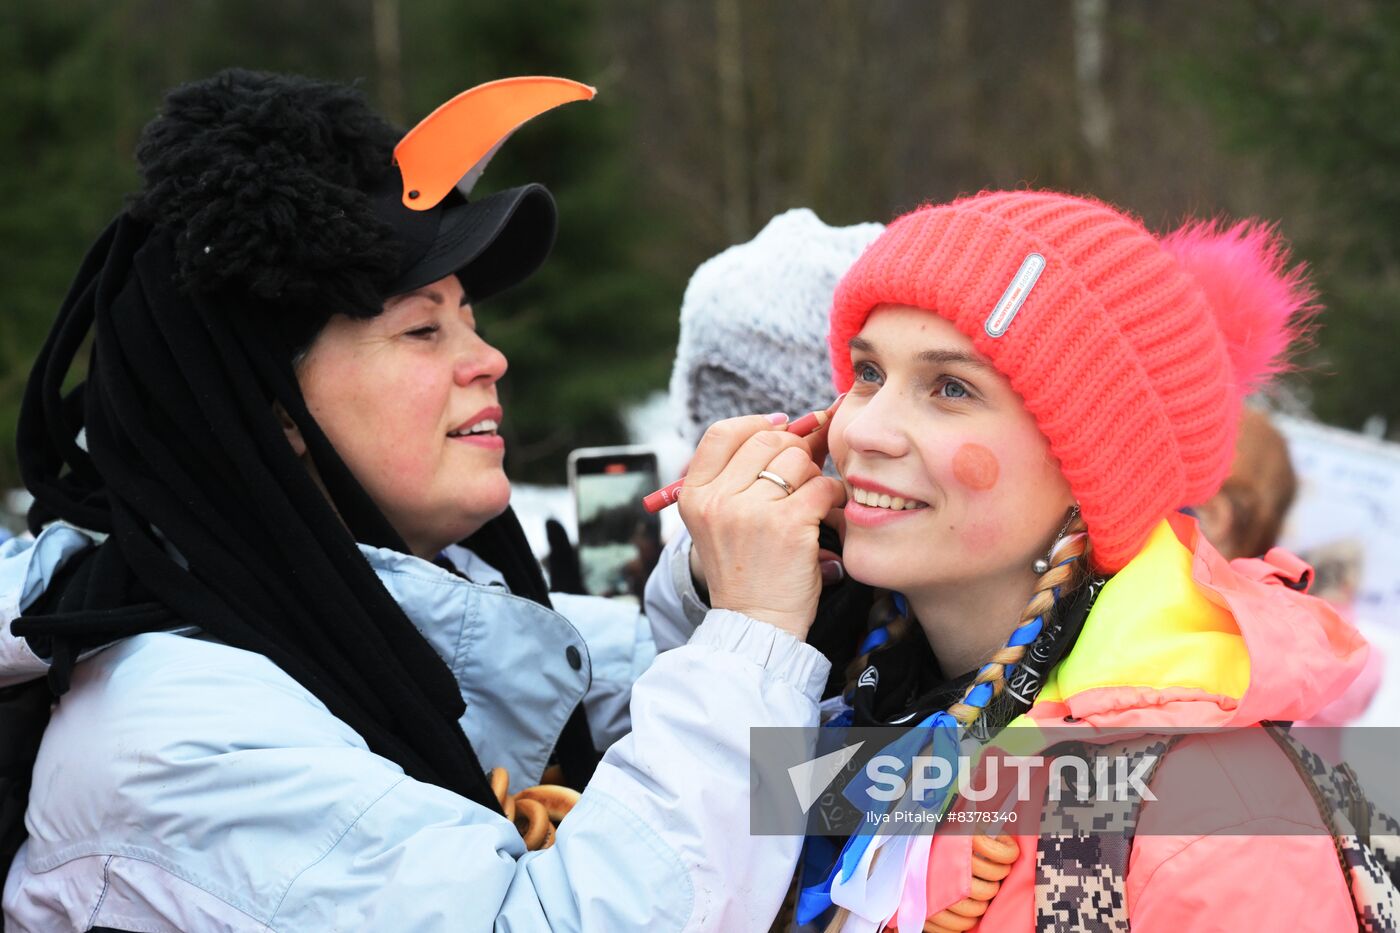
<point x="185" y="785"/>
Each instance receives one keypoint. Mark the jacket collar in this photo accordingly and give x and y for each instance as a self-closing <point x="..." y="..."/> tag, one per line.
<point x="1183" y="637"/>
<point x="513" y="659"/>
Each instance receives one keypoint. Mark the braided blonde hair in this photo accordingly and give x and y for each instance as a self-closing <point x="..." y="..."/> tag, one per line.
<point x="1069" y="571"/>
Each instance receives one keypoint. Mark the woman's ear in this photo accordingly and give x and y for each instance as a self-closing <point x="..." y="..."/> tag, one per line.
<point x="1217" y="518"/>
<point x="290" y="430"/>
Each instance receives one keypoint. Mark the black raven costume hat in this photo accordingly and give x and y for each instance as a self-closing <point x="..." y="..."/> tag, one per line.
<point x="270" y="204"/>
<point x="296" y="195"/>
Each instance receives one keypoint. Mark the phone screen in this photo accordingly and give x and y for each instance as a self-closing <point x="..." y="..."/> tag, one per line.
<point x="619" y="542"/>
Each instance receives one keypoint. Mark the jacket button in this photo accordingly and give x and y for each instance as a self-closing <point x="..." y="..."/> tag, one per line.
<point x="575" y="659"/>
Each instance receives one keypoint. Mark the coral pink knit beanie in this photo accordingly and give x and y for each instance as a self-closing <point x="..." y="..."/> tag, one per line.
<point x="1133" y="354"/>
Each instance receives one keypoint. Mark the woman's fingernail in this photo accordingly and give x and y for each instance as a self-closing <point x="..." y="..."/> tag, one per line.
<point x="832" y="571"/>
<point x="777" y="418"/>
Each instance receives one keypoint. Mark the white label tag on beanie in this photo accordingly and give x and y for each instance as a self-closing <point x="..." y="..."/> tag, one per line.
<point x="1015" y="295"/>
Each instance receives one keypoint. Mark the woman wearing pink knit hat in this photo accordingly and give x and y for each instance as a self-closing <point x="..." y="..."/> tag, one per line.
<point x="1037" y="386"/>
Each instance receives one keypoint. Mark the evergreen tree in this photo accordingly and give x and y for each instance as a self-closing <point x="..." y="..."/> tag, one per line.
<point x="71" y="114"/>
<point x="1317" y="87"/>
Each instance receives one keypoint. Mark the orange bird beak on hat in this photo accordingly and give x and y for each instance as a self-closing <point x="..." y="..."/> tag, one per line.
<point x="451" y="146"/>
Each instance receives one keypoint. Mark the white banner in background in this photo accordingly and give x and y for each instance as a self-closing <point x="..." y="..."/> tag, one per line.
<point x="1346" y="519"/>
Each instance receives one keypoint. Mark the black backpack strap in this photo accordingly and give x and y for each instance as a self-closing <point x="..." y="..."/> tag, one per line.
<point x="1365" y="838"/>
<point x="1080" y="877"/>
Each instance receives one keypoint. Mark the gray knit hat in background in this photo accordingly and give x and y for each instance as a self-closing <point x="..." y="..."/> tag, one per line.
<point x="754" y="323"/>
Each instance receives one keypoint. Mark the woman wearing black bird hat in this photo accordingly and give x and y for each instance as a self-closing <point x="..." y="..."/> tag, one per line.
<point x="304" y="664"/>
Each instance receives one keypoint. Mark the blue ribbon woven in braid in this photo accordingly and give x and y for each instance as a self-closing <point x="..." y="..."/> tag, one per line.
<point x="939" y="735"/>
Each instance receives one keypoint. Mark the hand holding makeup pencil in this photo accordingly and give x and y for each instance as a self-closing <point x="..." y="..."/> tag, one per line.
<point x="753" y="500"/>
<point x="669" y="494"/>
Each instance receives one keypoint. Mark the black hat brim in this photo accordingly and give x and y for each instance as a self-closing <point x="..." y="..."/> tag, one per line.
<point x="490" y="244"/>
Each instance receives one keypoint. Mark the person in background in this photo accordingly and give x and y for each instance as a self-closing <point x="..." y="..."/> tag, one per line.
<point x="751" y="322"/>
<point x="1244" y="520"/>
<point x="1245" y="517"/>
<point x="751" y="340"/>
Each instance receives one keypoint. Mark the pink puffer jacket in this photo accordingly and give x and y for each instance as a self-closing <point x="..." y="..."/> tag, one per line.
<point x="1183" y="638"/>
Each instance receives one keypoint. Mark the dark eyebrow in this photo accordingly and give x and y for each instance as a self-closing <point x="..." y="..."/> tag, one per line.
<point x="935" y="357"/>
<point x="954" y="356"/>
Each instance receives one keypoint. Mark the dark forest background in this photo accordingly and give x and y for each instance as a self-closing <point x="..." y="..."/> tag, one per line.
<point x="713" y="115"/>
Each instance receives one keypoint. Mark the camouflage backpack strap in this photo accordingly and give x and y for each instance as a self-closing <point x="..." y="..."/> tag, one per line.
<point x="1367" y="841"/>
<point x="1081" y="861"/>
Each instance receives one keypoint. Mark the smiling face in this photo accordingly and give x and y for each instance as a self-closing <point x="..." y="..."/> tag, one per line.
<point x="950" y="480"/>
<point x="408" y="399"/>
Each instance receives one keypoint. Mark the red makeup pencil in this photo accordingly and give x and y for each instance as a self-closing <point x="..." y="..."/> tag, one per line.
<point x="669" y="494"/>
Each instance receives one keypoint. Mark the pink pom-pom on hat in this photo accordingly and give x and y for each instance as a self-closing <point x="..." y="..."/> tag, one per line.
<point x="1132" y="353"/>
<point x="1263" y="306"/>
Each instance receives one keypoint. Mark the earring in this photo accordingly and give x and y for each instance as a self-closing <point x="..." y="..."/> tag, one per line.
<point x="1042" y="564"/>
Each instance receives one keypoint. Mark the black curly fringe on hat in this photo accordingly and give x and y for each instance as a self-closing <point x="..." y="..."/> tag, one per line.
<point x="263" y="179"/>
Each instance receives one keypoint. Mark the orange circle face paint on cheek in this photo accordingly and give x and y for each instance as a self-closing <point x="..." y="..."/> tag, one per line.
<point x="976" y="467"/>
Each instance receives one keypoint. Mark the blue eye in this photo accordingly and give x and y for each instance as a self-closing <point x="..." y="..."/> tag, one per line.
<point x="952" y="388"/>
<point x="865" y="372"/>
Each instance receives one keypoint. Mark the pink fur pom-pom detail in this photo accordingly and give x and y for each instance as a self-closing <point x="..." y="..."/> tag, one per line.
<point x="1263" y="303"/>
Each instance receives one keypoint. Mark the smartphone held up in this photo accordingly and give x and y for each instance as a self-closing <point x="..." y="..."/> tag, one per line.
<point x="619" y="541"/>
